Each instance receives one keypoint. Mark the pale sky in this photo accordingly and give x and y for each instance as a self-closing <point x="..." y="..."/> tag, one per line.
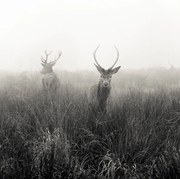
<point x="146" y="32"/>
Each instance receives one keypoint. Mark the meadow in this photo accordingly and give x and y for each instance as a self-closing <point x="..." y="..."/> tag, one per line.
<point x="138" y="138"/>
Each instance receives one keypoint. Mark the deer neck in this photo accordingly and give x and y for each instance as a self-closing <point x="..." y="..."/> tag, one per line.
<point x="103" y="93"/>
<point x="50" y="71"/>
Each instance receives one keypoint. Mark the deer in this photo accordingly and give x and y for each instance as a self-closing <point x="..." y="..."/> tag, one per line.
<point x="50" y="81"/>
<point x="100" y="93"/>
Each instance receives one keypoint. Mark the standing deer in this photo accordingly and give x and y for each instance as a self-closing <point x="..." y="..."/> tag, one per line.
<point x="50" y="80"/>
<point x="100" y="92"/>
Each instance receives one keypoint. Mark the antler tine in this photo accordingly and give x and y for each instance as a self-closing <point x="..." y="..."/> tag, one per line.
<point x="116" y="58"/>
<point x="95" y="56"/>
<point x="59" y="55"/>
<point x="47" y="54"/>
<point x="42" y="59"/>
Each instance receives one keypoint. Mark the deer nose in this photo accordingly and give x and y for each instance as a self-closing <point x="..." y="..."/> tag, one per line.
<point x="105" y="84"/>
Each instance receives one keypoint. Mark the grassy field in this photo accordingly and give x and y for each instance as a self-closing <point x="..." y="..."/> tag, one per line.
<point x="138" y="138"/>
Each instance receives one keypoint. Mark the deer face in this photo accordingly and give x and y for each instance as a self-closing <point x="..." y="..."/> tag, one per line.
<point x="105" y="80"/>
<point x="106" y="75"/>
<point x="47" y="67"/>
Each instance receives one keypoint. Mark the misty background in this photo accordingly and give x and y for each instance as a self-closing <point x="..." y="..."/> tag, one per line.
<point x="147" y="33"/>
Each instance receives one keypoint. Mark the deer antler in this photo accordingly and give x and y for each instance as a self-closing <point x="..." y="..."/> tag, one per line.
<point x="59" y="55"/>
<point x="116" y="59"/>
<point x="95" y="57"/>
<point x="44" y="61"/>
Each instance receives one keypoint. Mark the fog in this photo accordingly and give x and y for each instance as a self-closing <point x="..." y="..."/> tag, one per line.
<point x="147" y="33"/>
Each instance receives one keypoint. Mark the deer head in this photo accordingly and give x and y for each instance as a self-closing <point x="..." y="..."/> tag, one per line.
<point x="106" y="75"/>
<point x="47" y="66"/>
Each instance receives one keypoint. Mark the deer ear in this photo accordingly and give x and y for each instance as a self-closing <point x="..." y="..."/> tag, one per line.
<point x="101" y="70"/>
<point x="115" y="70"/>
<point x="42" y="64"/>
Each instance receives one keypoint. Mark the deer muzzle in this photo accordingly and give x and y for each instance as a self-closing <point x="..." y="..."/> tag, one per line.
<point x="105" y="84"/>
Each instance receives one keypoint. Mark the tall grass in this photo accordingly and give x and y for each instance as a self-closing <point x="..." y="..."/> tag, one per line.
<point x="139" y="136"/>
